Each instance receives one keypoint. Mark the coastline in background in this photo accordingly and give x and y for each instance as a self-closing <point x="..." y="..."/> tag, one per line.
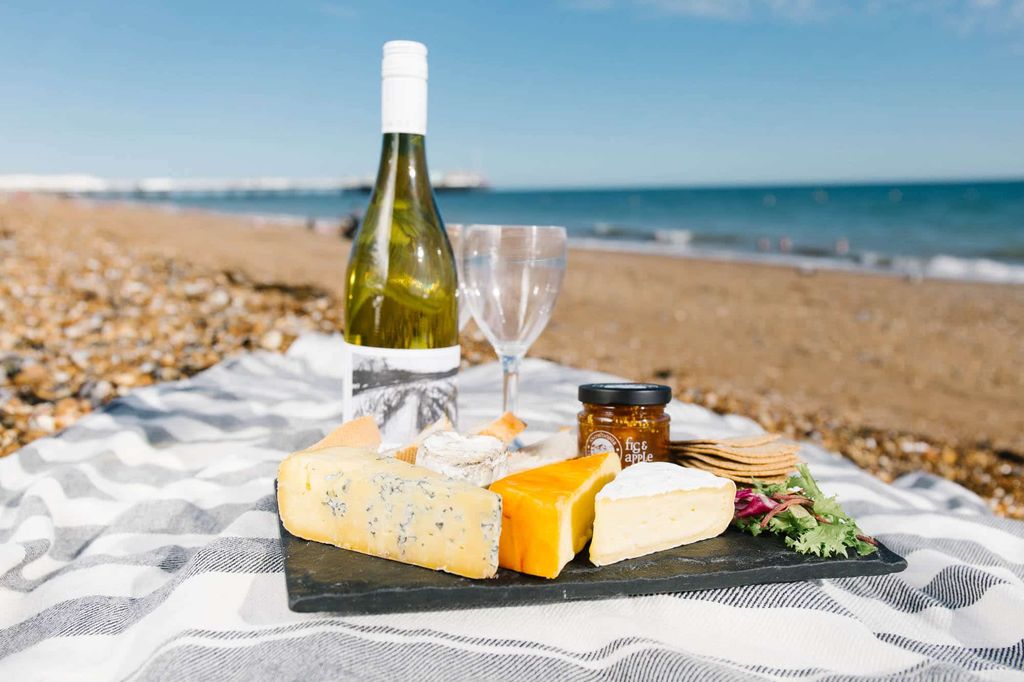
<point x="953" y="230"/>
<point x="104" y="297"/>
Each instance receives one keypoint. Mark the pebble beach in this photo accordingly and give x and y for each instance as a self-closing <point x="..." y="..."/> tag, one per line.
<point x="98" y="299"/>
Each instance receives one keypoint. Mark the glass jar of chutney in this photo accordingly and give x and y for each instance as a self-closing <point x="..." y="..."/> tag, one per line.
<point x="628" y="419"/>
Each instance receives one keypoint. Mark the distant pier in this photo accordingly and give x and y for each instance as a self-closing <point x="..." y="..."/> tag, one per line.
<point x="89" y="185"/>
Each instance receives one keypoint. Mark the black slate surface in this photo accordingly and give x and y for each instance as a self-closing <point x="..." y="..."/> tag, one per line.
<point x="325" y="578"/>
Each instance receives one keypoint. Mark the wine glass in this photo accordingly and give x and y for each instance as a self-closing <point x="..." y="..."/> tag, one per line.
<point x="512" y="277"/>
<point x="455" y="234"/>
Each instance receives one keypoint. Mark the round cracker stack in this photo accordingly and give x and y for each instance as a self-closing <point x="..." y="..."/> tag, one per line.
<point x="743" y="459"/>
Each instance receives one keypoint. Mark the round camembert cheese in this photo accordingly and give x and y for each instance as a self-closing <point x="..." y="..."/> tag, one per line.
<point x="475" y="459"/>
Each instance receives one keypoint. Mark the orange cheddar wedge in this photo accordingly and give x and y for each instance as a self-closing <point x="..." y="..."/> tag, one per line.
<point x="357" y="433"/>
<point x="547" y="514"/>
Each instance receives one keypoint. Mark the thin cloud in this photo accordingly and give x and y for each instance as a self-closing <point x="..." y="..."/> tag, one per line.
<point x="708" y="9"/>
<point x="334" y="9"/>
<point x="802" y="10"/>
<point x="987" y="15"/>
<point x="965" y="16"/>
<point x="743" y="10"/>
<point x="589" y="5"/>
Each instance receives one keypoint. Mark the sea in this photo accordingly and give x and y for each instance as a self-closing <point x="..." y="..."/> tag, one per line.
<point x="947" y="230"/>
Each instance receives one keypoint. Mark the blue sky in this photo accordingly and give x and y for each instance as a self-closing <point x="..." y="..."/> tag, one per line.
<point x="573" y="93"/>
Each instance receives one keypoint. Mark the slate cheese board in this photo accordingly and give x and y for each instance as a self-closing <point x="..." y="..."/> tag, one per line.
<point x="322" y="577"/>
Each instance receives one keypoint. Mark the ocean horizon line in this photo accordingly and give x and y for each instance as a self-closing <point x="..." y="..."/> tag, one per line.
<point x="742" y="185"/>
<point x="667" y="185"/>
<point x="683" y="244"/>
<point x="963" y="229"/>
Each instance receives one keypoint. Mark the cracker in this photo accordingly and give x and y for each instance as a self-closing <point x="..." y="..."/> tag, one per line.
<point x="361" y="432"/>
<point x="771" y="473"/>
<point x="739" y="466"/>
<point x="505" y="428"/>
<point x="769" y="480"/>
<point x="739" y="478"/>
<point x="760" y="455"/>
<point x="774" y="469"/>
<point x="734" y="441"/>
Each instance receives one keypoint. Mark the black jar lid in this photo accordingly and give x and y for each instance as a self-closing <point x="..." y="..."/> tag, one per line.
<point x="625" y="394"/>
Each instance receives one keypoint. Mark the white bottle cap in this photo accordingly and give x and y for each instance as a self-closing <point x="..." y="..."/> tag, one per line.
<point x="404" y="87"/>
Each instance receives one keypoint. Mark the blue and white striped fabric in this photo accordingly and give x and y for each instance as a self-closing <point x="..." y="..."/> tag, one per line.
<point x="142" y="544"/>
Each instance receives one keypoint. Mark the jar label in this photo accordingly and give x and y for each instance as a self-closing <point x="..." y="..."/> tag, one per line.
<point x="602" y="441"/>
<point x="632" y="451"/>
<point x="636" y="450"/>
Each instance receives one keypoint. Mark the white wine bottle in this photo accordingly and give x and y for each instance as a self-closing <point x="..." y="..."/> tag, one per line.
<point x="401" y="314"/>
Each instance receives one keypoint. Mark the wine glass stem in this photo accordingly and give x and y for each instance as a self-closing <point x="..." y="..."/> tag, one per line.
<point x="510" y="368"/>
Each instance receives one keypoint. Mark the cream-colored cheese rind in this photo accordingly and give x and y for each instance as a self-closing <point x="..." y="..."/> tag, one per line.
<point x="357" y="500"/>
<point x="476" y="459"/>
<point x="652" y="478"/>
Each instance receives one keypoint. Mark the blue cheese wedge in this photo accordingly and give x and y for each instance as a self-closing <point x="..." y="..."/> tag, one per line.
<point x="653" y="506"/>
<point x="355" y="499"/>
<point x="476" y="459"/>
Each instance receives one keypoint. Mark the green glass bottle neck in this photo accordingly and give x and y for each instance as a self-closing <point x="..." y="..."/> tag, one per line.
<point x="403" y="161"/>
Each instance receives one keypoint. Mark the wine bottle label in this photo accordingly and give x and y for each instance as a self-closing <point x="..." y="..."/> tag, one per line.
<point x="404" y="390"/>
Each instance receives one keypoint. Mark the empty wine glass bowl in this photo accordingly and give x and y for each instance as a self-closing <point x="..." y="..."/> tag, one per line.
<point x="512" y="276"/>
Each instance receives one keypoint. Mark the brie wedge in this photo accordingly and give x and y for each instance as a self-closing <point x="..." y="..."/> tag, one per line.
<point x="653" y="506"/>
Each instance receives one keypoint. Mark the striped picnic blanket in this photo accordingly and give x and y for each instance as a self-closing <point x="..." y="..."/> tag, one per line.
<point x="142" y="543"/>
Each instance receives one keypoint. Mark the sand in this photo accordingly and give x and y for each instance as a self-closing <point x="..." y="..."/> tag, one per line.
<point x="932" y="368"/>
<point x="942" y="358"/>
